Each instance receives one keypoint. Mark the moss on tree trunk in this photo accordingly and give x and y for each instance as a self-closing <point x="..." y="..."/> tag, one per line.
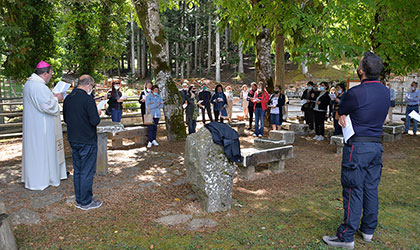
<point x="263" y="61"/>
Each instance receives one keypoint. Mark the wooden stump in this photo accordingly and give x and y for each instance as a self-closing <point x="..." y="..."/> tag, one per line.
<point x="7" y="239"/>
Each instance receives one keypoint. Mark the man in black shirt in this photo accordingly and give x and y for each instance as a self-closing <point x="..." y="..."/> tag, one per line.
<point x="82" y="117"/>
<point x="204" y="98"/>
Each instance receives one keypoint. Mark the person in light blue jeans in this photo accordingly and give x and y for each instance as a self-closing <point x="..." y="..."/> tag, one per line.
<point x="413" y="99"/>
<point x="154" y="104"/>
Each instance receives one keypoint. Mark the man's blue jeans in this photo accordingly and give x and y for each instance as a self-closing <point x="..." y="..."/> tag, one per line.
<point x="259" y="121"/>
<point x="407" y="118"/>
<point x="84" y="165"/>
<point x="361" y="169"/>
<point x="116" y="115"/>
<point x="152" y="130"/>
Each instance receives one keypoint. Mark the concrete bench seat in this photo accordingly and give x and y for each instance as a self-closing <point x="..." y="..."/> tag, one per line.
<point x="267" y="143"/>
<point x="392" y="132"/>
<point x="240" y="127"/>
<point x="338" y="140"/>
<point x="282" y="135"/>
<point x="253" y="157"/>
<point x="138" y="134"/>
<point x="299" y="129"/>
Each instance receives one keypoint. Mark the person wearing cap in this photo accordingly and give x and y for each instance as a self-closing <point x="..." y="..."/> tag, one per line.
<point x="204" y="98"/>
<point x="367" y="105"/>
<point x="82" y="116"/>
<point x="413" y="100"/>
<point x="43" y="161"/>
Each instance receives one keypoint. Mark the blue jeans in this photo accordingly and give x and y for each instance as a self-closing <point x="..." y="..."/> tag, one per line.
<point x="259" y="121"/>
<point x="192" y="124"/>
<point x="361" y="169"/>
<point x="116" y="115"/>
<point x="84" y="165"/>
<point x="152" y="130"/>
<point x="407" y="119"/>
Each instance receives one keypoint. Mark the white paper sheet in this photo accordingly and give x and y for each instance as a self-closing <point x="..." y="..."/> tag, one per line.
<point x="415" y="115"/>
<point x="348" y="129"/>
<point x="333" y="96"/>
<point x="101" y="104"/>
<point x="61" y="87"/>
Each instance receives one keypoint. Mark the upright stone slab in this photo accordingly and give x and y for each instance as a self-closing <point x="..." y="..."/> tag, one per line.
<point x="282" y="135"/>
<point x="338" y="140"/>
<point x="209" y="171"/>
<point x="103" y="129"/>
<point x="392" y="132"/>
<point x="7" y="239"/>
<point x="300" y="129"/>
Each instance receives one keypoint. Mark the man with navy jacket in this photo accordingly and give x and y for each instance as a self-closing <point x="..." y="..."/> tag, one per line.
<point x="367" y="105"/>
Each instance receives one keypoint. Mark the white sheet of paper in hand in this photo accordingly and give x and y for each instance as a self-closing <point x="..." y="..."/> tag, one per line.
<point x="101" y="104"/>
<point x="415" y="115"/>
<point x="333" y="96"/>
<point x="61" y="87"/>
<point x="348" y="129"/>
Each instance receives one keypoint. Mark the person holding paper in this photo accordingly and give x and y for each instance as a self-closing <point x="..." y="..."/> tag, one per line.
<point x="244" y="97"/>
<point x="367" y="105"/>
<point x="219" y="102"/>
<point x="43" y="162"/>
<point x="276" y="103"/>
<point x="115" y="100"/>
<point x="142" y="100"/>
<point x="154" y="105"/>
<point x="82" y="117"/>
<point x="229" y="98"/>
<point x="308" y="104"/>
<point x="260" y="100"/>
<point x="251" y="94"/>
<point x="322" y="103"/>
<point x="413" y="99"/>
<point x="340" y="89"/>
<point x="204" y="98"/>
<point x="191" y="111"/>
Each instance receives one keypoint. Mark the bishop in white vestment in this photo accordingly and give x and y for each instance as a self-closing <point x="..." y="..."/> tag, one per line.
<point x="43" y="161"/>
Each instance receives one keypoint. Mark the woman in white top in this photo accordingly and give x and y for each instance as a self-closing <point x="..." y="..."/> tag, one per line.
<point x="229" y="97"/>
<point x="244" y="97"/>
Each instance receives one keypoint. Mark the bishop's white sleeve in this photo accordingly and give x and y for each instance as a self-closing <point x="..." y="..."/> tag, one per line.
<point x="45" y="101"/>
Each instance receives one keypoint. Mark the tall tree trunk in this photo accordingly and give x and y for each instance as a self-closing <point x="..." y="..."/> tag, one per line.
<point x="139" y="75"/>
<point x="241" y="58"/>
<point x="133" y="54"/>
<point x="143" y="56"/>
<point x="196" y="45"/>
<point x="263" y="63"/>
<point x="188" y="69"/>
<point x="217" y="53"/>
<point x="1" y="100"/>
<point x="148" y="13"/>
<point x="209" y="47"/>
<point x="280" y="65"/>
<point x="304" y="66"/>
<point x="200" y="52"/>
<point x="176" y="60"/>
<point x="227" y="43"/>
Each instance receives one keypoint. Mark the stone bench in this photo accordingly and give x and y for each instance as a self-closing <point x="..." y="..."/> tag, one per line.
<point x="392" y="132"/>
<point x="267" y="143"/>
<point x="138" y="134"/>
<point x="240" y="127"/>
<point x="282" y="135"/>
<point x="338" y="140"/>
<point x="253" y="157"/>
<point x="103" y="129"/>
<point x="299" y="129"/>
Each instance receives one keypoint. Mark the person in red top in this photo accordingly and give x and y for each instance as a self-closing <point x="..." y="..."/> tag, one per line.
<point x="260" y="100"/>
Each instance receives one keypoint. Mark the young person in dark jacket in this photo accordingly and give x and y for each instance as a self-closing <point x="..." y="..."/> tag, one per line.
<point x="115" y="100"/>
<point x="276" y="103"/>
<point x="191" y="111"/>
<point x="340" y="91"/>
<point x="82" y="116"/>
<point x="204" y="98"/>
<point x="219" y="102"/>
<point x="142" y="100"/>
<point x="308" y="97"/>
<point x="322" y="102"/>
<point x="251" y="94"/>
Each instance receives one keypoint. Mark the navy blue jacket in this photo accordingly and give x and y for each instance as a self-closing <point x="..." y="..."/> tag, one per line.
<point x="367" y="104"/>
<point x="81" y="115"/>
<point x="226" y="136"/>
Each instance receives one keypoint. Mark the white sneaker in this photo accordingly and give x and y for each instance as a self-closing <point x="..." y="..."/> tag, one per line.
<point x="154" y="142"/>
<point x="149" y="145"/>
<point x="315" y="137"/>
<point x="255" y="135"/>
<point x="259" y="135"/>
<point x="320" y="138"/>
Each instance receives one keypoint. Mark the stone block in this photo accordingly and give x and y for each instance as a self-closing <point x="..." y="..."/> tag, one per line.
<point x="393" y="129"/>
<point x="209" y="171"/>
<point x="282" y="135"/>
<point x="391" y="137"/>
<point x="299" y="129"/>
<point x="338" y="140"/>
<point x="240" y="127"/>
<point x="266" y="143"/>
<point x="7" y="239"/>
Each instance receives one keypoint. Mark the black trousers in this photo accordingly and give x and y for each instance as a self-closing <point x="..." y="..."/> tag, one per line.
<point x="309" y="118"/>
<point x="320" y="122"/>
<point x="203" y="113"/>
<point x="216" y="116"/>
<point x="251" y="115"/>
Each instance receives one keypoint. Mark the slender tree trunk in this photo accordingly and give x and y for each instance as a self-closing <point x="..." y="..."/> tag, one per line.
<point x="119" y="69"/>
<point x="241" y="58"/>
<point x="1" y="100"/>
<point x="209" y="46"/>
<point x="217" y="53"/>
<point x="263" y="63"/>
<point x="139" y="53"/>
<point x="148" y="13"/>
<point x="280" y="65"/>
<point x="143" y="56"/>
<point x="200" y="52"/>
<point x="188" y="69"/>
<point x="304" y="66"/>
<point x="196" y="45"/>
<point x="133" y="54"/>
<point x="176" y="60"/>
<point x="227" y="43"/>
